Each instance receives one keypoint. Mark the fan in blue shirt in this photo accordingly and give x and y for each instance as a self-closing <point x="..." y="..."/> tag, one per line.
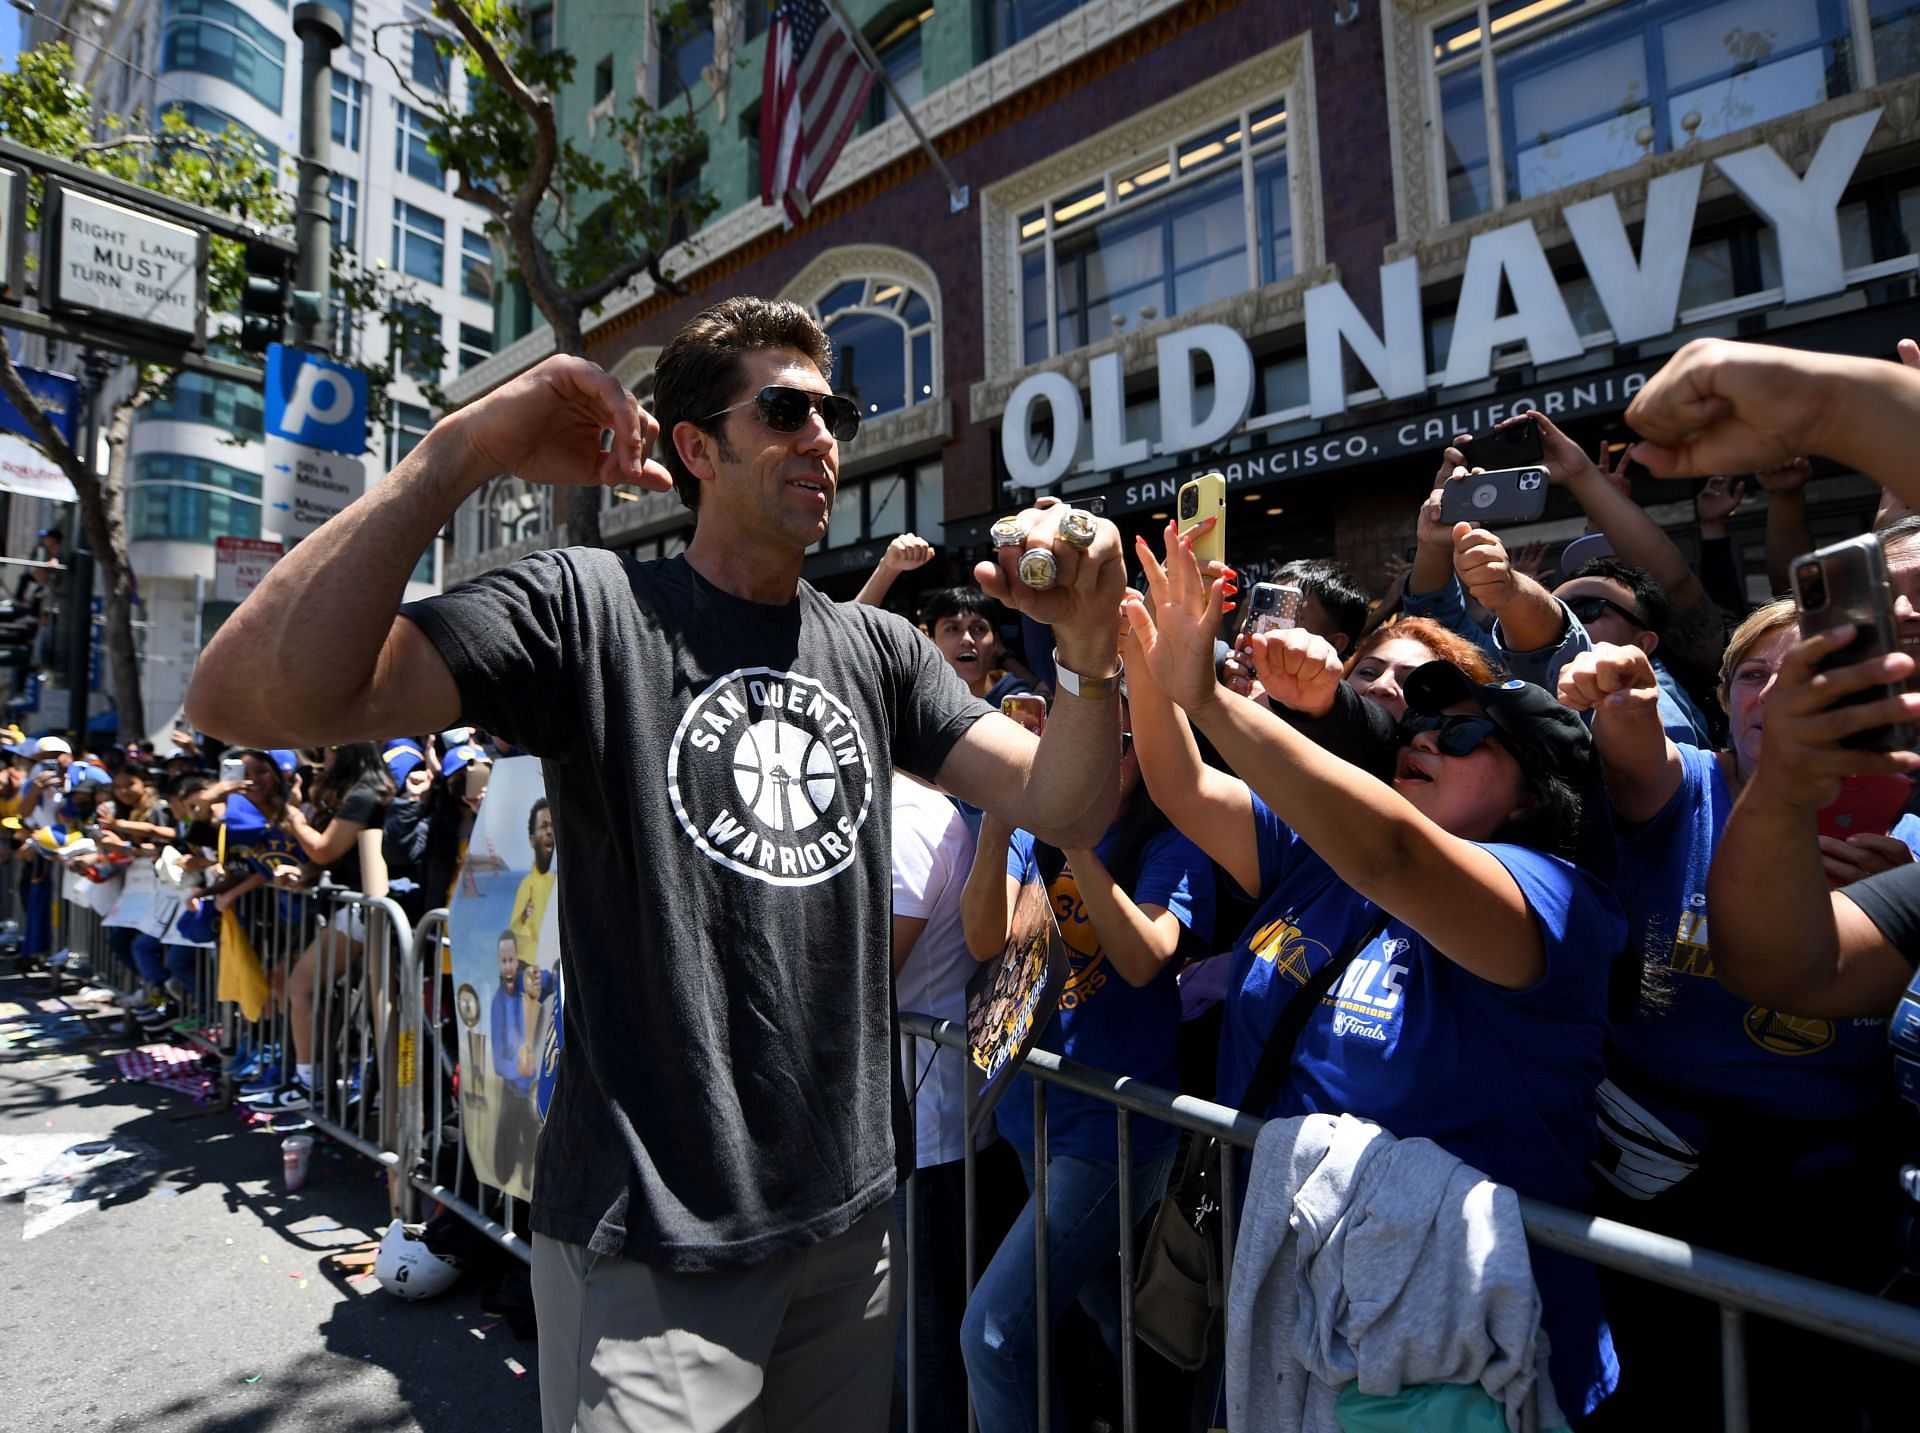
<point x="1473" y="1011"/>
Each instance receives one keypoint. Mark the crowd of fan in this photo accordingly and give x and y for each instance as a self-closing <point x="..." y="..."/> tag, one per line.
<point x="1523" y="795"/>
<point x="193" y="832"/>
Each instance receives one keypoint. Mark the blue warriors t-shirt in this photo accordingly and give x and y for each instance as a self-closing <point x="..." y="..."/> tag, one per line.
<point x="1706" y="1040"/>
<point x="1103" y="1020"/>
<point x="1502" y="1079"/>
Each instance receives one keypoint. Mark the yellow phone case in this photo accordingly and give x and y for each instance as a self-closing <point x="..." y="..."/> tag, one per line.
<point x="1199" y="499"/>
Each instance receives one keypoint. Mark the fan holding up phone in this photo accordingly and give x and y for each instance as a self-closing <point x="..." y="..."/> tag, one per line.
<point x="1507" y="483"/>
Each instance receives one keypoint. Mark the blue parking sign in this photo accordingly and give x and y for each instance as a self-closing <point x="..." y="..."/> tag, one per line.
<point x="314" y="401"/>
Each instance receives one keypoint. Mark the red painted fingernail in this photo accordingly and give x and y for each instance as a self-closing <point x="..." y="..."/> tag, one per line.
<point x="1229" y="607"/>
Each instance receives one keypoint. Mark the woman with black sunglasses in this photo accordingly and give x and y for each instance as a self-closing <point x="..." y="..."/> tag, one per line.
<point x="1474" y="1010"/>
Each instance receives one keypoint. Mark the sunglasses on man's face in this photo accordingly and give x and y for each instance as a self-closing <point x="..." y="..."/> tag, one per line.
<point x="1592" y="609"/>
<point x="1458" y="734"/>
<point x="785" y="410"/>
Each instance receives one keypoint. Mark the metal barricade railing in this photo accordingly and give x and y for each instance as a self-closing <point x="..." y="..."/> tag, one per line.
<point x="1737" y="1287"/>
<point x="362" y="1028"/>
<point x="443" y="1170"/>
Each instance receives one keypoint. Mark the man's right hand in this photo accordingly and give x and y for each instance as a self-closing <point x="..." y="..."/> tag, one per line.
<point x="1299" y="670"/>
<point x="545" y="426"/>
<point x="1610" y="677"/>
<point x="1484" y="569"/>
<point x="1434" y="531"/>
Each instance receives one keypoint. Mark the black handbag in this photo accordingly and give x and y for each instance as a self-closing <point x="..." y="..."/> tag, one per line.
<point x="1179" y="1294"/>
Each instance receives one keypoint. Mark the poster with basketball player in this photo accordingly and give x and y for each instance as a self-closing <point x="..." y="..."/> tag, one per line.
<point x="1011" y="998"/>
<point x="503" y="924"/>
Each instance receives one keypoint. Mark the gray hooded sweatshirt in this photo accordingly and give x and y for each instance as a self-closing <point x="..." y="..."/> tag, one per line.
<point x="1378" y="1262"/>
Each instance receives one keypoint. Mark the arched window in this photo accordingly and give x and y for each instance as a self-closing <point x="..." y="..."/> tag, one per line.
<point x="884" y="355"/>
<point x="512" y="510"/>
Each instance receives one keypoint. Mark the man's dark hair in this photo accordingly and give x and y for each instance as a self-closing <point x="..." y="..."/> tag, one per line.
<point x="1900" y="530"/>
<point x="1649" y="596"/>
<point x="946" y="602"/>
<point x="1344" y="599"/>
<point x="533" y="815"/>
<point x="700" y="372"/>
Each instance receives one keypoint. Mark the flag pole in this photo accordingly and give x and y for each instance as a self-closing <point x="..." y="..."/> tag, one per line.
<point x="958" y="195"/>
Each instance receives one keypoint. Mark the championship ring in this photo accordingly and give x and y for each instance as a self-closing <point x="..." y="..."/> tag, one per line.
<point x="1038" y="569"/>
<point x="1007" y="532"/>
<point x="1077" y="528"/>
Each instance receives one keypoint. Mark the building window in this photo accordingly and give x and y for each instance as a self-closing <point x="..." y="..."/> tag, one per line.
<point x="898" y="51"/>
<point x="1011" y="21"/>
<point x="512" y="510"/>
<point x="419" y="242"/>
<point x="476" y="345"/>
<point x="344" y="200"/>
<point x="177" y="498"/>
<point x="603" y="79"/>
<point x="685" y="52"/>
<point x="476" y="266"/>
<point x="417" y="342"/>
<point x="1896" y="38"/>
<point x="194" y="398"/>
<point x="1535" y="97"/>
<point x="909" y="499"/>
<point x="406" y="426"/>
<point x="410" y="152"/>
<point x="218" y="122"/>
<point x="540" y="28"/>
<point x="688" y="185"/>
<point x="883" y="349"/>
<point x="212" y="37"/>
<point x="1200" y="220"/>
<point x="348" y="94"/>
<point x="429" y="66"/>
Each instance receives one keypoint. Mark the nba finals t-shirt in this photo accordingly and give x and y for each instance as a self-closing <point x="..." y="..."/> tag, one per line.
<point x="719" y="775"/>
<point x="1102" y="1020"/>
<point x="1704" y="1040"/>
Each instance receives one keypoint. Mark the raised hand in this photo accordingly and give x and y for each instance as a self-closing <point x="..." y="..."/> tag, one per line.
<point x="1801" y="756"/>
<point x="1481" y="561"/>
<point x="1719" y="500"/>
<point x="1174" y="626"/>
<point x="1609" y="678"/>
<point x="1719" y="406"/>
<point x="1298" y="669"/>
<point x="1530" y="560"/>
<point x="1082" y="604"/>
<point x="545" y="427"/>
<point x="1858" y="857"/>
<point x="906" y="552"/>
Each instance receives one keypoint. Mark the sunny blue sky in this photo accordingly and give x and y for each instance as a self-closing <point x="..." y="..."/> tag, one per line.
<point x="9" y="34"/>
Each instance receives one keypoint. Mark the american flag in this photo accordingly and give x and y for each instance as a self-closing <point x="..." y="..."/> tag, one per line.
<point x="814" y="87"/>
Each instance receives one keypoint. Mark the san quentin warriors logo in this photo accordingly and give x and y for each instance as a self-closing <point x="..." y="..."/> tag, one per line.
<point x="769" y="776"/>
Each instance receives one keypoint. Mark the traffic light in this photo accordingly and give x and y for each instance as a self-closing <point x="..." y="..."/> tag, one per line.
<point x="265" y="300"/>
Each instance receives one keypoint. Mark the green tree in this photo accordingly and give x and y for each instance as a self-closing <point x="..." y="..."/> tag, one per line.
<point x="44" y="108"/>
<point x="575" y="228"/>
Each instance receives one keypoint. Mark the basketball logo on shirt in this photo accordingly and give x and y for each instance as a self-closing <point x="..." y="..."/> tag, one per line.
<point x="1293" y="955"/>
<point x="1787" y="1034"/>
<point x="769" y="776"/>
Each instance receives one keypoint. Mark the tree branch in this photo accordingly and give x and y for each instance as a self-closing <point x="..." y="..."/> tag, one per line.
<point x="537" y="107"/>
<point x="488" y="199"/>
<point x="617" y="277"/>
<point x="425" y="101"/>
<point x="152" y="141"/>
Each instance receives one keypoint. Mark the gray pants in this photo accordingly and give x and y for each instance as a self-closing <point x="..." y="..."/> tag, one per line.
<point x="800" y="1342"/>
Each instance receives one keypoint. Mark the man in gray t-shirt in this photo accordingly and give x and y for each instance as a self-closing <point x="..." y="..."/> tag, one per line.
<point x="710" y="1208"/>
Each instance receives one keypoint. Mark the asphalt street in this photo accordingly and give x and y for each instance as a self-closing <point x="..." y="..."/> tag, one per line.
<point x="154" y="1274"/>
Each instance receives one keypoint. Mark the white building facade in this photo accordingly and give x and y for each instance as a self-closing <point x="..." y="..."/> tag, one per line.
<point x="196" y="457"/>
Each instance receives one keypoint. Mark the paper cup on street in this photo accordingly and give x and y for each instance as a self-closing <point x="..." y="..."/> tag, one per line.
<point x="295" y="1151"/>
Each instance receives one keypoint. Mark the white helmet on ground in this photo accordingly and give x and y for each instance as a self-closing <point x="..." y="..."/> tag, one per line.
<point x="407" y="1267"/>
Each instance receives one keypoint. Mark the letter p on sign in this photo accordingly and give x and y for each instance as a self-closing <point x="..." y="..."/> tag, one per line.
<point x="316" y="402"/>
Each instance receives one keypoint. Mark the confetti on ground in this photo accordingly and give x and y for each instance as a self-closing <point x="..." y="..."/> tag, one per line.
<point x="291" y="1274"/>
<point x="488" y="1328"/>
<point x="303" y="1283"/>
<point x="519" y="1369"/>
<point x="478" y="1334"/>
<point x="265" y="1260"/>
<point x="254" y="1378"/>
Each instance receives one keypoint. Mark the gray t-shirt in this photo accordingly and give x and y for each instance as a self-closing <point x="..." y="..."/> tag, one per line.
<point x="718" y="771"/>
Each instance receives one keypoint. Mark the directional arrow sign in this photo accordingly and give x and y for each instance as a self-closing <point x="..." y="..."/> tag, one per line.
<point x="304" y="486"/>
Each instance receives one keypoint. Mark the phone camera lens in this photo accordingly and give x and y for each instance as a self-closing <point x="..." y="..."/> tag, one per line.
<point x="1189" y="504"/>
<point x="1813" y="586"/>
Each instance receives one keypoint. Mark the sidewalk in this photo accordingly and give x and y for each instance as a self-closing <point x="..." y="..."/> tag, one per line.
<point x="164" y="1281"/>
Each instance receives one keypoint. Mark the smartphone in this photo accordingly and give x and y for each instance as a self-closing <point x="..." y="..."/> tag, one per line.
<point x="1516" y="445"/>
<point x="232" y="768"/>
<point x="1502" y="495"/>
<point x="1025" y="706"/>
<point x="1202" y="498"/>
<point x="1866" y="806"/>
<point x="1847" y="584"/>
<point x="1272" y="606"/>
<point x="478" y="774"/>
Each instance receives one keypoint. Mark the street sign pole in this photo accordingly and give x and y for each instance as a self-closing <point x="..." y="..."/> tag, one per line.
<point x="78" y="595"/>
<point x="320" y="33"/>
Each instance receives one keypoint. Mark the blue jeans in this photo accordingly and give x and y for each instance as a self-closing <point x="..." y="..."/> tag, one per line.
<point x="147" y="954"/>
<point x="999" y="1335"/>
<point x="183" y="964"/>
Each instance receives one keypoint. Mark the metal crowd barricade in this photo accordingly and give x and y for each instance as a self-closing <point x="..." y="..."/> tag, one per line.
<point x="366" y="1012"/>
<point x="443" y="1170"/>
<point x="1738" y="1287"/>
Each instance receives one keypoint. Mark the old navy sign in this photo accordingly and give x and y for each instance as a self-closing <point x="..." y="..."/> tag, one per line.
<point x="1639" y="292"/>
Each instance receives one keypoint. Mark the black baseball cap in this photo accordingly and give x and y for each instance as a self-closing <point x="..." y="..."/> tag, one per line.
<point x="1543" y="735"/>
